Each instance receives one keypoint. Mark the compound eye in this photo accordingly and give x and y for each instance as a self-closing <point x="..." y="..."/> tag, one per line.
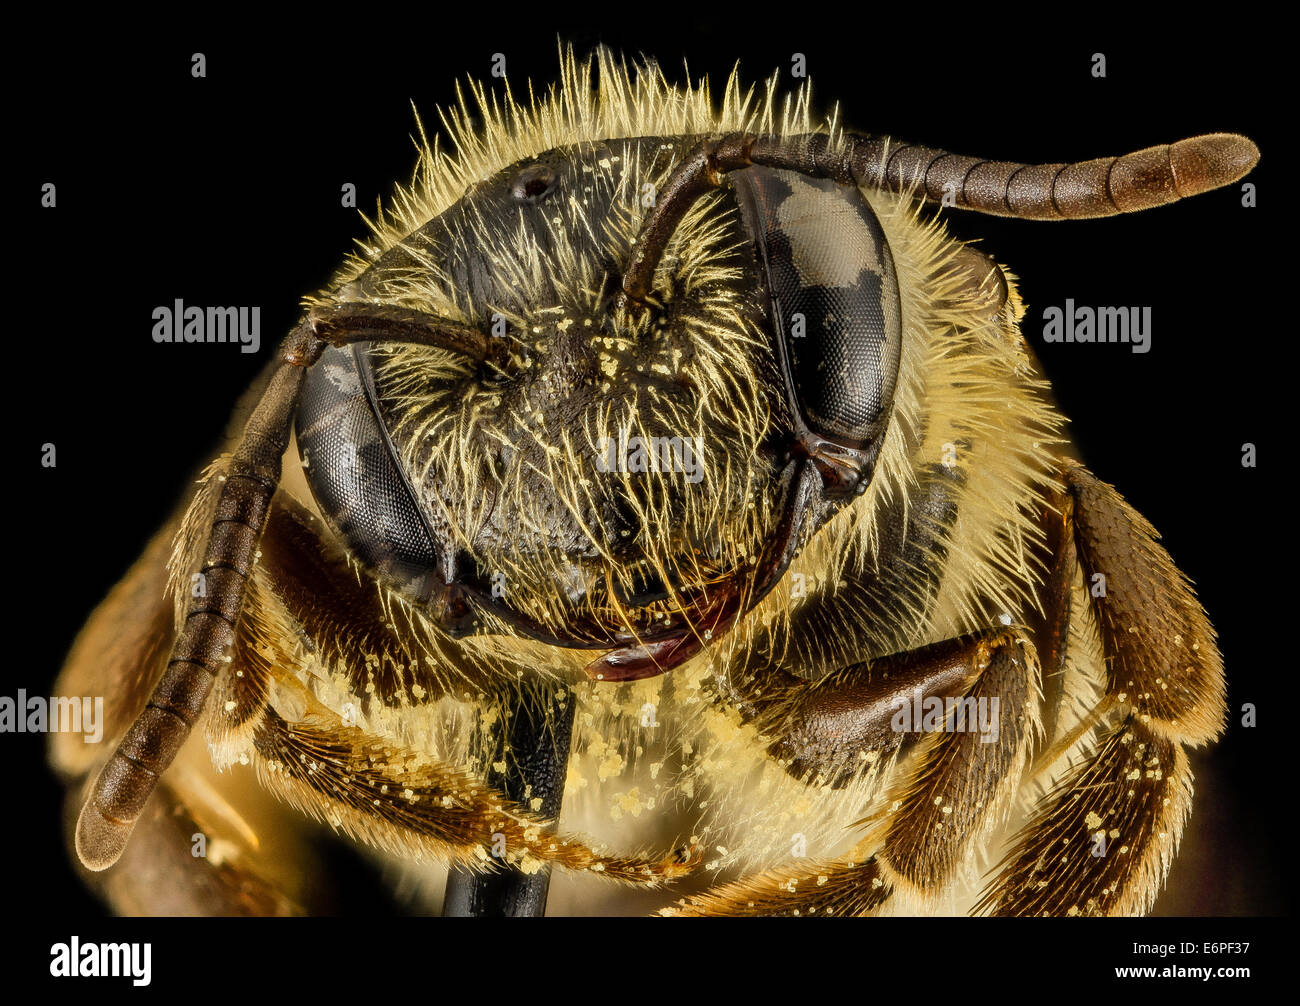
<point x="835" y="305"/>
<point x="356" y="477"/>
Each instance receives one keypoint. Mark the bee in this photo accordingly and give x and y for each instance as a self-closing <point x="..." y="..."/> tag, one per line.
<point x="662" y="499"/>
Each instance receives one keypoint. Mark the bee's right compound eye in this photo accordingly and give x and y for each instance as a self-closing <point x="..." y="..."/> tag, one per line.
<point x="836" y="313"/>
<point x="355" y="476"/>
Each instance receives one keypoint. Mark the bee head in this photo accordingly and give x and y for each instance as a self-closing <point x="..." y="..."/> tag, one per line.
<point x="602" y="478"/>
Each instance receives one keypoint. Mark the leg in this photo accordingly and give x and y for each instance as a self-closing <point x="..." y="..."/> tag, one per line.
<point x="961" y="787"/>
<point x="1106" y="838"/>
<point x="362" y="781"/>
<point x="1103" y="842"/>
<point x="824" y="732"/>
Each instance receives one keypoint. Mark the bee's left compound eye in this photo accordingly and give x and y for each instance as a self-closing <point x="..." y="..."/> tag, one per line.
<point x="836" y="313"/>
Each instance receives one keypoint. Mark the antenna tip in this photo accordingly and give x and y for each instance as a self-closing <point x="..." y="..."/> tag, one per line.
<point x="99" y="840"/>
<point x="1206" y="162"/>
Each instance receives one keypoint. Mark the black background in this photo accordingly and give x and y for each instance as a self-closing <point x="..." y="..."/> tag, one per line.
<point x="225" y="190"/>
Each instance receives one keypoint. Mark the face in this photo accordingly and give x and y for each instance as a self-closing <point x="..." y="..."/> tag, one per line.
<point x="627" y="482"/>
